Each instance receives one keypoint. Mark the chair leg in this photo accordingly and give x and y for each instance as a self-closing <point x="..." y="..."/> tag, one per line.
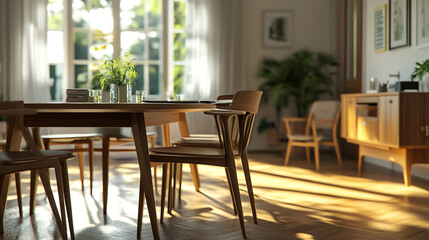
<point x="174" y="184"/>
<point x="338" y="153"/>
<point x="66" y="184"/>
<point x="81" y="164"/>
<point x="307" y="155"/>
<point x="289" y="148"/>
<point x="46" y="184"/>
<point x="18" y="192"/>
<point x="246" y="170"/>
<point x="155" y="179"/>
<point x="195" y="176"/>
<point x="234" y="183"/>
<point x="169" y="187"/>
<point x="316" y="156"/>
<point x="4" y="188"/>
<point x="141" y="207"/>
<point x="179" y="198"/>
<point x="33" y="190"/>
<point x="163" y="189"/>
<point x="91" y="164"/>
<point x="60" y="186"/>
<point x="228" y="178"/>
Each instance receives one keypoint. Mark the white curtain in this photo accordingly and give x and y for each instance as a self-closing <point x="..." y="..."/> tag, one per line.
<point x="213" y="45"/>
<point x="24" y="68"/>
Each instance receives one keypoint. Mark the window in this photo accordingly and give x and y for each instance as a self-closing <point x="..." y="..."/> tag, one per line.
<point x="95" y="23"/>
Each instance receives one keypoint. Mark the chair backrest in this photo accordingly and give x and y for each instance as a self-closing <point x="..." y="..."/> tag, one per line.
<point x="247" y="101"/>
<point x="324" y="109"/>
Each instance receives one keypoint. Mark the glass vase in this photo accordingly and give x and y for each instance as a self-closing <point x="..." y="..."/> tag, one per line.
<point x="114" y="93"/>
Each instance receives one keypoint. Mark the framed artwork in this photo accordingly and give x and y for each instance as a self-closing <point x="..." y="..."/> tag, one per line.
<point x="422" y="23"/>
<point x="399" y="23"/>
<point x="380" y="30"/>
<point x="277" y="29"/>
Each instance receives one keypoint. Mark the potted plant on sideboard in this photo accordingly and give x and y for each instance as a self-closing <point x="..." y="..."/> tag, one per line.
<point x="421" y="70"/>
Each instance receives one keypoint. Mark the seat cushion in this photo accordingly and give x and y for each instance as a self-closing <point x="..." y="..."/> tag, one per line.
<point x="303" y="138"/>
<point x="26" y="156"/>
<point x="71" y="136"/>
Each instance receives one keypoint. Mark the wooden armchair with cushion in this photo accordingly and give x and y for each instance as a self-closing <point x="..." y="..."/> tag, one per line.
<point x="320" y="129"/>
<point x="33" y="159"/>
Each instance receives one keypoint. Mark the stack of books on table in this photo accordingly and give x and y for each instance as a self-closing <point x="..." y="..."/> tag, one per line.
<point x="77" y="95"/>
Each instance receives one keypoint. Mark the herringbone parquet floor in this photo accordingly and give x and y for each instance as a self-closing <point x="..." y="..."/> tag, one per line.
<point x="293" y="202"/>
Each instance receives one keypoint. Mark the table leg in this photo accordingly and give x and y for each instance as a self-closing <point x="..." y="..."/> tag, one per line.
<point x="140" y="139"/>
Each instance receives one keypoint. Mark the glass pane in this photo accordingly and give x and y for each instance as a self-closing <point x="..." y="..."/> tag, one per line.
<point x="101" y="18"/>
<point x="80" y="40"/>
<point x="81" y="76"/>
<point x="133" y="43"/>
<point x="179" y="74"/>
<point x="179" y="46"/>
<point x="54" y="46"/>
<point x="179" y="15"/>
<point x="80" y="13"/>
<point x="55" y="14"/>
<point x="101" y="46"/>
<point x="155" y="13"/>
<point x="140" y="77"/>
<point x="154" y="45"/>
<point x="154" y="79"/>
<point x="56" y="76"/>
<point x="132" y="14"/>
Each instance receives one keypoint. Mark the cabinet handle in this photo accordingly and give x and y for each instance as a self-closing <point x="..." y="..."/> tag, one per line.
<point x="390" y="101"/>
<point x="364" y="123"/>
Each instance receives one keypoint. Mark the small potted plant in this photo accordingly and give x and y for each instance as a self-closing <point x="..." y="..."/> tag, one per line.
<point x="118" y="74"/>
<point x="421" y="70"/>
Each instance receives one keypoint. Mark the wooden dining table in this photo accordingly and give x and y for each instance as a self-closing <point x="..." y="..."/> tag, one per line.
<point x="135" y="115"/>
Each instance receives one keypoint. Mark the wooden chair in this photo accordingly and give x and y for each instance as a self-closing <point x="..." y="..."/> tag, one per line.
<point x="244" y="106"/>
<point x="35" y="160"/>
<point x="323" y="116"/>
<point x="215" y="140"/>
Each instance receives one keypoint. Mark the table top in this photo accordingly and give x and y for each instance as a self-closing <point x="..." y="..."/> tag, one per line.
<point x="56" y="107"/>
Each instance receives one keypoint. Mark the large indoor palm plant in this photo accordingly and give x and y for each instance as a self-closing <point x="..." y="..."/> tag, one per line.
<point x="303" y="76"/>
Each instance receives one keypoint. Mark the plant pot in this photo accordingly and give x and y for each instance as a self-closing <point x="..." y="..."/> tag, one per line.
<point x="125" y="93"/>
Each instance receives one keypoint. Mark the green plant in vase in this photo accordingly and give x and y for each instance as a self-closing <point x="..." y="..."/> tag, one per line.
<point x="421" y="70"/>
<point x="118" y="72"/>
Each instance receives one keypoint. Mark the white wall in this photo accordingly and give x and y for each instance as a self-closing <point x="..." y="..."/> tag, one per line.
<point x="314" y="29"/>
<point x="380" y="65"/>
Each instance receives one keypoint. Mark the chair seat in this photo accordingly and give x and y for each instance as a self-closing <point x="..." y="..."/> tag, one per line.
<point x="303" y="138"/>
<point x="71" y="136"/>
<point x="208" y="140"/>
<point x="20" y="157"/>
<point x="189" y="151"/>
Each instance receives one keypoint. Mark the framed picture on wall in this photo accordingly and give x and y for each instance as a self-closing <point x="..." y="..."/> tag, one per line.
<point x="399" y="23"/>
<point x="380" y="28"/>
<point x="277" y="28"/>
<point x="422" y="25"/>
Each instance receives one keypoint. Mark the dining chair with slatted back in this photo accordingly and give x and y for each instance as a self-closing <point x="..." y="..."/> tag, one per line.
<point x="244" y="106"/>
<point x="320" y="129"/>
<point x="35" y="160"/>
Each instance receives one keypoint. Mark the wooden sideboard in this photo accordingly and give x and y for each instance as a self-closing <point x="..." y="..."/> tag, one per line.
<point x="391" y="126"/>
